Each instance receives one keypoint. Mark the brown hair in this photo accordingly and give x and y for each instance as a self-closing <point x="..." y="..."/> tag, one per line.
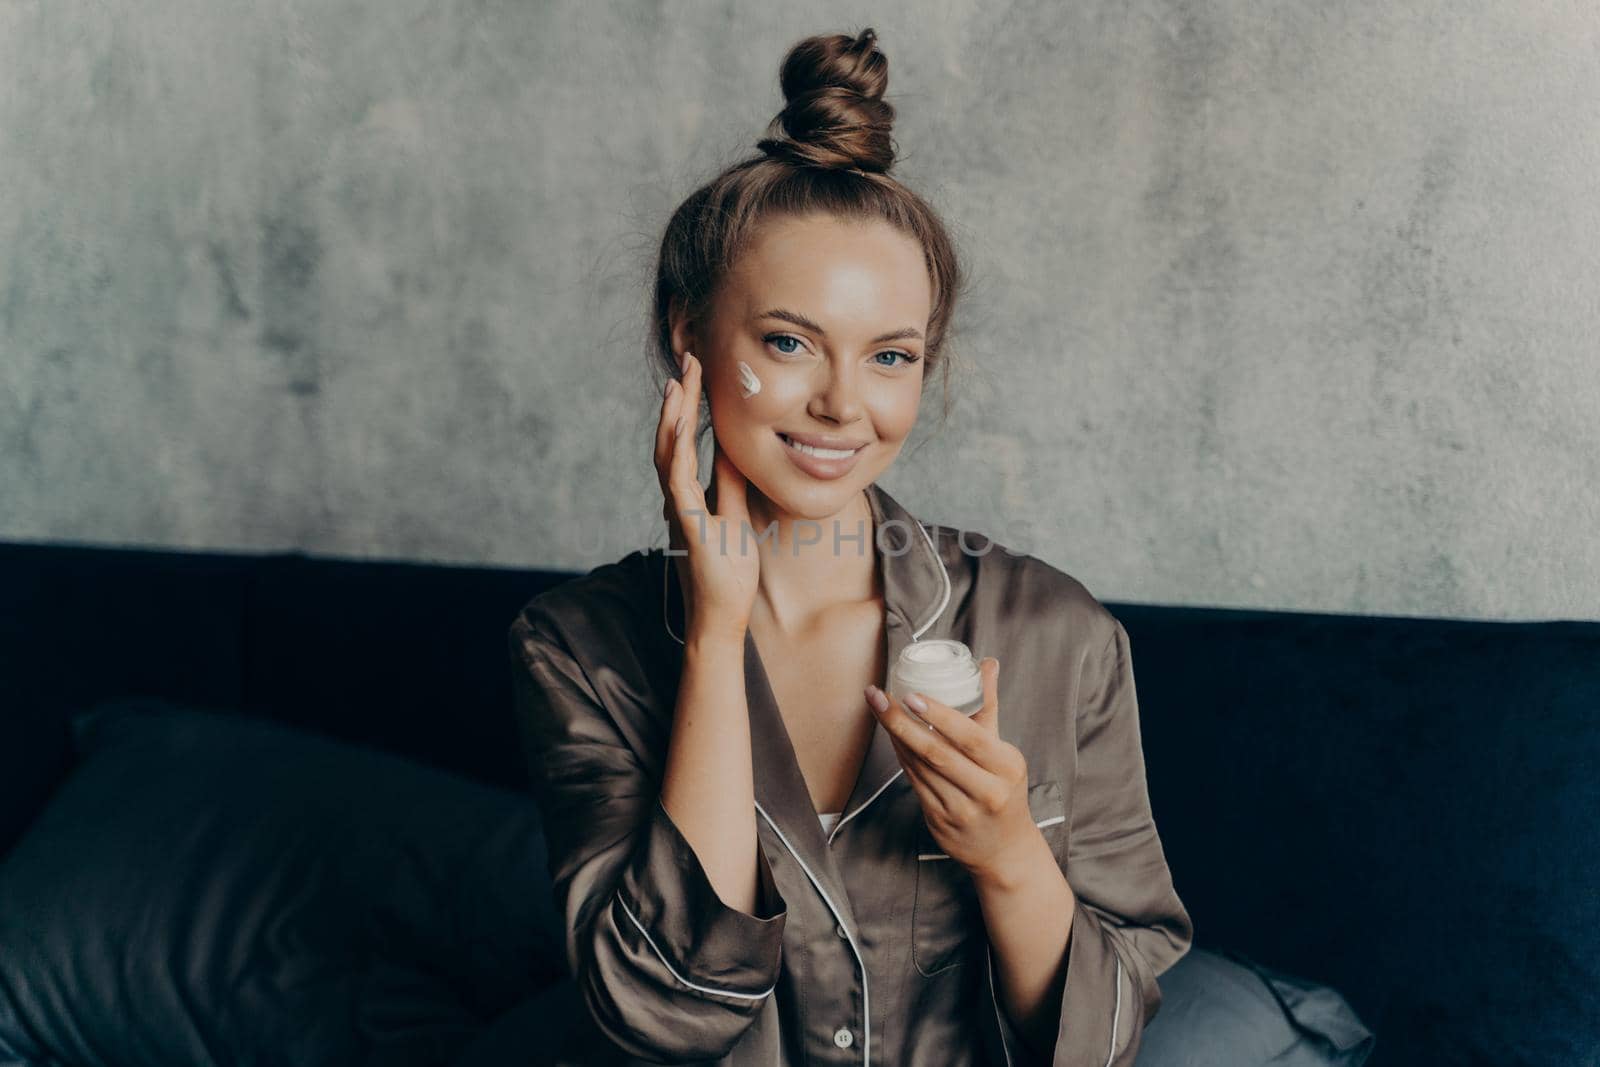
<point x="828" y="151"/>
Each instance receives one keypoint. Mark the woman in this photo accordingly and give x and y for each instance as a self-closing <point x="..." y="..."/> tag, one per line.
<point x="759" y="857"/>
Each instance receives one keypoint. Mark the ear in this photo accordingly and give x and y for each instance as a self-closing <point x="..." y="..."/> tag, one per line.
<point x="988" y="716"/>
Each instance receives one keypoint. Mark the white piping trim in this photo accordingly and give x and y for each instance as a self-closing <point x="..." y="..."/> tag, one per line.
<point x="1116" y="1015"/>
<point x="944" y="601"/>
<point x="944" y="576"/>
<point x="863" y="806"/>
<point x="866" y="999"/>
<point x="945" y="855"/>
<point x="692" y="985"/>
<point x="666" y="565"/>
<point x="999" y="1019"/>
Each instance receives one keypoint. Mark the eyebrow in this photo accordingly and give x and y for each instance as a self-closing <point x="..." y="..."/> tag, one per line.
<point x="801" y="321"/>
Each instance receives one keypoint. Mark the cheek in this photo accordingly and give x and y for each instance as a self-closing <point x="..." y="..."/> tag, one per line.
<point x="895" y="412"/>
<point x="777" y="397"/>
<point x="735" y="415"/>
<point x="891" y="406"/>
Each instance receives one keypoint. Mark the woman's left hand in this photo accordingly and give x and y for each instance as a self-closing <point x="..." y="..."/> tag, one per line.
<point x="973" y="786"/>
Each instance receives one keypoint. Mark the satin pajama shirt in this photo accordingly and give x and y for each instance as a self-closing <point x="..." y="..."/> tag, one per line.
<point x="867" y="946"/>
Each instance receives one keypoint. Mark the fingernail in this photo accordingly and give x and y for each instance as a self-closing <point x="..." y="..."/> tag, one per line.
<point x="672" y="386"/>
<point x="915" y="702"/>
<point x="875" y="697"/>
<point x="679" y="428"/>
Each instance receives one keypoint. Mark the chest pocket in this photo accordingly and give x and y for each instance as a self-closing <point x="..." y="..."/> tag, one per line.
<point x="946" y="918"/>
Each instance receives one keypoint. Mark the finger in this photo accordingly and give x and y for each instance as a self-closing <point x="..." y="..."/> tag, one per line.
<point x="671" y="400"/>
<point x="932" y="749"/>
<point x="688" y="501"/>
<point x="730" y="482"/>
<point x="975" y="740"/>
<point x="666" y="436"/>
<point x="691" y="411"/>
<point x="930" y="794"/>
<point x="988" y="716"/>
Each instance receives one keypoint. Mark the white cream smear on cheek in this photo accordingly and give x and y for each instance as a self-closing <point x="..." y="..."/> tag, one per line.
<point x="749" y="384"/>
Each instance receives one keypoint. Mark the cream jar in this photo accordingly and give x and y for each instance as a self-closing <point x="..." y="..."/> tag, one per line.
<point x="942" y="669"/>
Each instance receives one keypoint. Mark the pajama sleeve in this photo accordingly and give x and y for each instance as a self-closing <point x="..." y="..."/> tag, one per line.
<point x="1129" y="925"/>
<point x="668" y="971"/>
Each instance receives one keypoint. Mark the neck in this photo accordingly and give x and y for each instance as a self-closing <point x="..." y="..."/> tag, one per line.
<point x="809" y="565"/>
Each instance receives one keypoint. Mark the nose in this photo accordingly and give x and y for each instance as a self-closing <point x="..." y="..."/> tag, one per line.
<point x="837" y="398"/>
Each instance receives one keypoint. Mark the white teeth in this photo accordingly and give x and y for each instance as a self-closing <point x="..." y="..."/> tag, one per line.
<point x="820" y="453"/>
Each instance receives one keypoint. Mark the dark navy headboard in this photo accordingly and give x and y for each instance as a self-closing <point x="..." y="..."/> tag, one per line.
<point x="1403" y="809"/>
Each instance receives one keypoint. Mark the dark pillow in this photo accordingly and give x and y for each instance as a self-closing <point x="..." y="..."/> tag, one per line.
<point x="1222" y="1009"/>
<point x="206" y="888"/>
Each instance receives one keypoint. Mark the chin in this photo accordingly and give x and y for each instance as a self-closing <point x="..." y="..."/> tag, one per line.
<point x="795" y="492"/>
<point x="816" y="501"/>
<point x="804" y="497"/>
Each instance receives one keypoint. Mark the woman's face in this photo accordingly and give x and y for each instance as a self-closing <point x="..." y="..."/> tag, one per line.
<point x="830" y="317"/>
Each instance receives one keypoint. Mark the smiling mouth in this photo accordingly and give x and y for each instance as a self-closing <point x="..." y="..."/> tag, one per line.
<point x="820" y="453"/>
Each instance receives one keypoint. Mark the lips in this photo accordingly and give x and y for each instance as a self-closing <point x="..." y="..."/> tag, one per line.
<point x="825" y="466"/>
<point x="822" y="447"/>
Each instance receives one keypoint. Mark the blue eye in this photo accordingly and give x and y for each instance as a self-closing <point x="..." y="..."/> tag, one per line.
<point x="907" y="356"/>
<point x="774" y="338"/>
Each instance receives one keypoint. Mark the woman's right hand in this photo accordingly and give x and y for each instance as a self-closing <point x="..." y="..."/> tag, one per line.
<point x="722" y="569"/>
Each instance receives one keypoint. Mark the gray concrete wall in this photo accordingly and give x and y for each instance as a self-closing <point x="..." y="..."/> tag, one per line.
<point x="1288" y="306"/>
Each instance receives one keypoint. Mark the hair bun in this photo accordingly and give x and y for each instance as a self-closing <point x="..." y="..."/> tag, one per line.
<point x="834" y="113"/>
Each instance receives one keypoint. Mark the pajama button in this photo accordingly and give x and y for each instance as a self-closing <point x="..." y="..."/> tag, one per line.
<point x="843" y="1038"/>
<point x="842" y="935"/>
